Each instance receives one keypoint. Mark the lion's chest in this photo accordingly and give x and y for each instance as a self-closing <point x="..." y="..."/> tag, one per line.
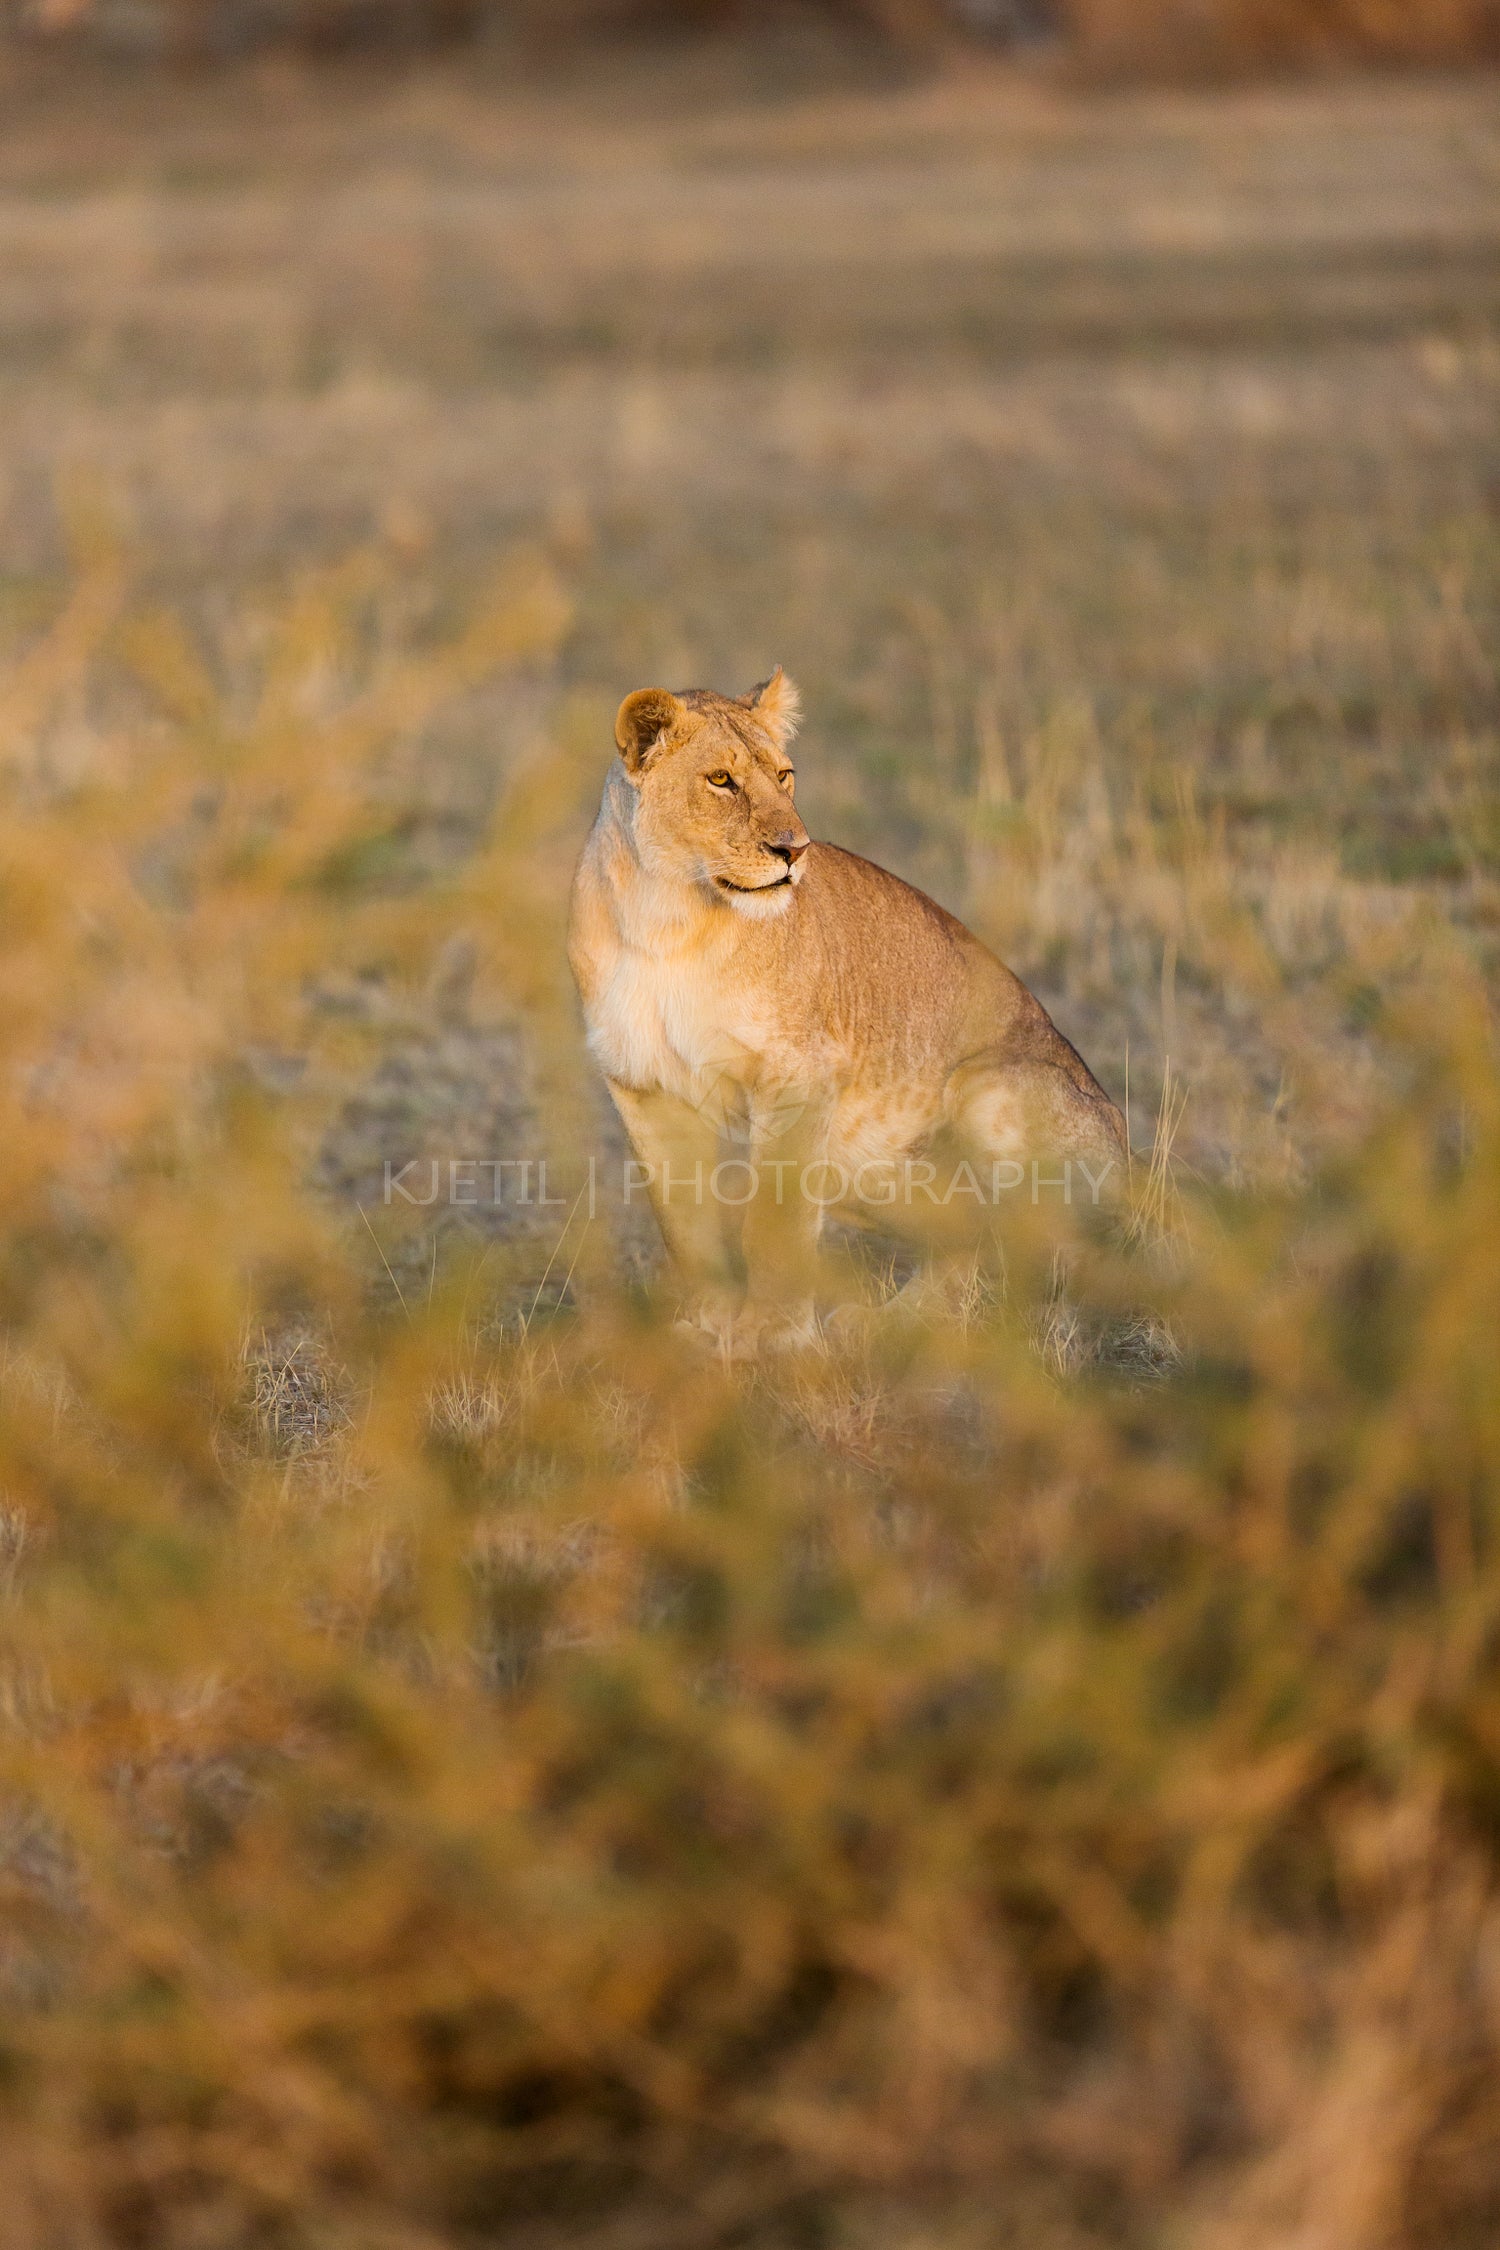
<point x="675" y="1024"/>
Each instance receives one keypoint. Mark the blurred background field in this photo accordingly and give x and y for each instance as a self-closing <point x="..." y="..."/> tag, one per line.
<point x="471" y="1773"/>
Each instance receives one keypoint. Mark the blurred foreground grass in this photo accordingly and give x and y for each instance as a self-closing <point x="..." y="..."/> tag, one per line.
<point x="471" y="1772"/>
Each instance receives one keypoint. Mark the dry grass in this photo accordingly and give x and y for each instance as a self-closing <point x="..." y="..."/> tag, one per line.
<point x="471" y="1773"/>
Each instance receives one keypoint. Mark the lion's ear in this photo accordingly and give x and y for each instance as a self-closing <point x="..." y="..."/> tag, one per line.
<point x="777" y="705"/>
<point x="641" y="720"/>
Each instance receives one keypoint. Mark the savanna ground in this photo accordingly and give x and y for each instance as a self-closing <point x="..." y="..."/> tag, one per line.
<point x="475" y="1773"/>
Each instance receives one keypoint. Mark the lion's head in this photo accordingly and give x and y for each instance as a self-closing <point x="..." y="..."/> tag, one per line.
<point x="714" y="789"/>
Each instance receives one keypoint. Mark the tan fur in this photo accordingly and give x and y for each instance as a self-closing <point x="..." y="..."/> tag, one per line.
<point x="748" y="990"/>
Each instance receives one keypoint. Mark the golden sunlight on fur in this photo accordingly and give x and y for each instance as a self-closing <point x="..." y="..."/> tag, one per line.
<point x="785" y="1027"/>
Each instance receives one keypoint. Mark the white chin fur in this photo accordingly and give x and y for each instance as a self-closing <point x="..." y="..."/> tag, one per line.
<point x="761" y="906"/>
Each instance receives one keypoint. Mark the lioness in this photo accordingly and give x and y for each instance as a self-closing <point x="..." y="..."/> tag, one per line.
<point x="743" y="984"/>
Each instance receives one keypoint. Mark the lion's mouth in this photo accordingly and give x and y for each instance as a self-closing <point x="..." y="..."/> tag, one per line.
<point x="752" y="890"/>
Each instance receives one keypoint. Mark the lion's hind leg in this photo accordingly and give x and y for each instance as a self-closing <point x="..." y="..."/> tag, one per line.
<point x="1062" y="1148"/>
<point x="1054" y="1137"/>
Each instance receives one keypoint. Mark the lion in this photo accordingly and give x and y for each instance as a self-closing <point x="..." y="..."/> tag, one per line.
<point x="787" y="1029"/>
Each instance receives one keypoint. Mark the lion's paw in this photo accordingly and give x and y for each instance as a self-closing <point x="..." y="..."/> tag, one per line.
<point x="738" y="1331"/>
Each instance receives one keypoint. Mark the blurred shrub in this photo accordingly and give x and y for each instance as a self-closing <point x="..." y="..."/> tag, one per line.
<point x="1181" y="38"/>
<point x="1105" y="37"/>
<point x="549" y="1791"/>
<point x="206" y="27"/>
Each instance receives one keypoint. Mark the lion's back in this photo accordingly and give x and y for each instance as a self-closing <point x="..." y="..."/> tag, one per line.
<point x="892" y="968"/>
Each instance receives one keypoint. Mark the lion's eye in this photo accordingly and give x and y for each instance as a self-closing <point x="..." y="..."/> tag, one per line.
<point x="786" y="779"/>
<point x="719" y="780"/>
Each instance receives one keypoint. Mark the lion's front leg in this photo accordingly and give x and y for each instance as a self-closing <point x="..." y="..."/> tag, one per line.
<point x="793" y="1187"/>
<point x="677" y="1154"/>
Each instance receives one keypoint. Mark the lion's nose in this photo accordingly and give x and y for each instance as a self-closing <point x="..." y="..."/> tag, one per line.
<point x="786" y="849"/>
